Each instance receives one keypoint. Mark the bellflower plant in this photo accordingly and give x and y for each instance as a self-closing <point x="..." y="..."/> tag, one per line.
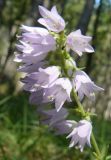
<point x="53" y="79"/>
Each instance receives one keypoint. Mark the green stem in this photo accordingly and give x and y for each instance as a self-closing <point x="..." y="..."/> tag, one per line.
<point x="95" y="146"/>
<point x="94" y="143"/>
<point x="78" y="103"/>
<point x="64" y="55"/>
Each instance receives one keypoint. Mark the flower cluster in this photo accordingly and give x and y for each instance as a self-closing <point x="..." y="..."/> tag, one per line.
<point x="52" y="74"/>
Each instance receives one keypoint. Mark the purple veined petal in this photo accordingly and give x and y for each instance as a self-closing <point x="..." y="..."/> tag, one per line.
<point x="60" y="100"/>
<point x="59" y="91"/>
<point x="97" y="88"/>
<point x="31" y="38"/>
<point x="82" y="76"/>
<point x="51" y="19"/>
<point x="66" y="84"/>
<point x="34" y="46"/>
<point x="45" y="77"/>
<point x="79" y="43"/>
<point x="48" y="24"/>
<point x="36" y="30"/>
<point x="47" y="44"/>
<point x="41" y="79"/>
<point x="29" y="68"/>
<point x="84" y="85"/>
<point x="78" y="34"/>
<point x="26" y="48"/>
<point x="30" y="59"/>
<point x="53" y="73"/>
<point x="54" y="10"/>
<point x="44" y="12"/>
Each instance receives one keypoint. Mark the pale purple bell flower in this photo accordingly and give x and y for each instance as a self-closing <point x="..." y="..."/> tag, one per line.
<point x="38" y="38"/>
<point x="35" y="43"/>
<point x="59" y="92"/>
<point x="84" y="85"/>
<point x="81" y="134"/>
<point x="41" y="79"/>
<point x="51" y="19"/>
<point x="30" y="59"/>
<point x="64" y="127"/>
<point x="51" y="116"/>
<point x="79" y="43"/>
<point x="36" y="97"/>
<point x="36" y="30"/>
<point x="29" y="84"/>
<point x="29" y="68"/>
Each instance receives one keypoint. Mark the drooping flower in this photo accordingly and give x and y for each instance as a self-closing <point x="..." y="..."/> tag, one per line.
<point x="35" y="43"/>
<point x="51" y="116"/>
<point x="64" y="127"/>
<point x="79" y="43"/>
<point x="81" y="134"/>
<point x="51" y="19"/>
<point x="59" y="92"/>
<point x="36" y="97"/>
<point x="84" y="85"/>
<point x="36" y="38"/>
<point x="41" y="79"/>
<point x="29" y="68"/>
<point x="35" y="30"/>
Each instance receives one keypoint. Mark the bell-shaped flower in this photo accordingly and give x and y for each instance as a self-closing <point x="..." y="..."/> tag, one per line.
<point x="51" y="19"/>
<point x="59" y="92"/>
<point x="35" y="40"/>
<point x="29" y="68"/>
<point x="41" y="79"/>
<point x="35" y="30"/>
<point x="37" y="51"/>
<point x="51" y="116"/>
<point x="64" y="127"/>
<point x="84" y="85"/>
<point x="35" y="43"/>
<point x="81" y="134"/>
<point x="79" y="43"/>
<point x="36" y="97"/>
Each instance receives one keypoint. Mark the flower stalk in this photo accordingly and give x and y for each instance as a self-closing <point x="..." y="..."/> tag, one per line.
<point x="52" y="76"/>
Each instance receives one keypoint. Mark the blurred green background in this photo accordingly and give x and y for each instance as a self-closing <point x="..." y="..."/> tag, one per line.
<point x="21" y="136"/>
